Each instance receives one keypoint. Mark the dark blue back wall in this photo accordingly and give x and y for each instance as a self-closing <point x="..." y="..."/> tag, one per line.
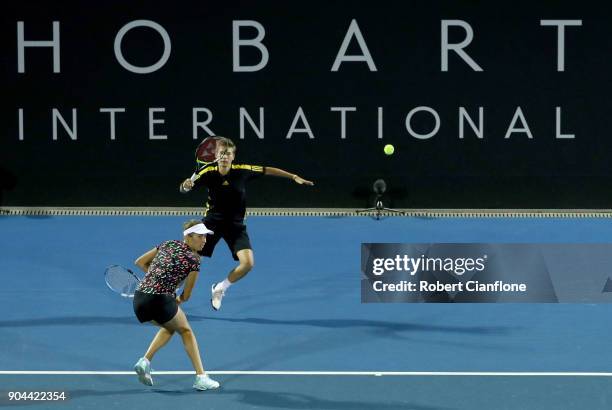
<point x="517" y="55"/>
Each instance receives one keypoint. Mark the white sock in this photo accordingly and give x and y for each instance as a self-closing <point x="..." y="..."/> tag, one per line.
<point x="223" y="285"/>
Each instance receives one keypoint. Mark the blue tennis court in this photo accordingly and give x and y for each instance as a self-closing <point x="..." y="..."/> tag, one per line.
<point x="294" y="333"/>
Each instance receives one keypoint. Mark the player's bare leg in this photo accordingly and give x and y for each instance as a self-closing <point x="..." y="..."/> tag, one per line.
<point x="246" y="261"/>
<point x="162" y="337"/>
<point x="180" y="325"/>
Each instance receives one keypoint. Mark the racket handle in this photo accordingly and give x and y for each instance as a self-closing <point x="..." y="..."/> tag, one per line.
<point x="194" y="177"/>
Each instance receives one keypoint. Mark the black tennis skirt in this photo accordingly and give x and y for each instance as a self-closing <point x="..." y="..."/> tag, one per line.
<point x="158" y="307"/>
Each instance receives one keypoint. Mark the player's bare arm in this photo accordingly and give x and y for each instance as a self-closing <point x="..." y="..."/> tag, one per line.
<point x="277" y="172"/>
<point x="144" y="260"/>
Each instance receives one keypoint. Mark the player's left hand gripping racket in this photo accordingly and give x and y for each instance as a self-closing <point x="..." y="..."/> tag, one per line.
<point x="205" y="155"/>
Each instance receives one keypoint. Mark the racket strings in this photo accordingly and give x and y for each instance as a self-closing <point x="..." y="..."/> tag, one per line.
<point x="121" y="281"/>
<point x="206" y="151"/>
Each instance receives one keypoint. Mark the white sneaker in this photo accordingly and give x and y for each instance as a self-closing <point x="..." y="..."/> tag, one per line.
<point x="143" y="370"/>
<point x="203" y="382"/>
<point x="216" y="297"/>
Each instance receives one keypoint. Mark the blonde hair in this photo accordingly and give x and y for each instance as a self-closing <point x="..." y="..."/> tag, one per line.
<point x="226" y="142"/>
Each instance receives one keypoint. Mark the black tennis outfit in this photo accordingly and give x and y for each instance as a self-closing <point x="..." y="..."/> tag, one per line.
<point x="226" y="206"/>
<point x="155" y="297"/>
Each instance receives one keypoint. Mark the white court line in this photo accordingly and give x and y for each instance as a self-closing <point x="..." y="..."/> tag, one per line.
<point x="314" y="373"/>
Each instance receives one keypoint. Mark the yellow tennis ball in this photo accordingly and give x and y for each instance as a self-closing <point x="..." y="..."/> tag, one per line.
<point x="389" y="149"/>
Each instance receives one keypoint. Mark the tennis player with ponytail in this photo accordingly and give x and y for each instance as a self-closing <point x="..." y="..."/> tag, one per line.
<point x="155" y="300"/>
<point x="226" y="207"/>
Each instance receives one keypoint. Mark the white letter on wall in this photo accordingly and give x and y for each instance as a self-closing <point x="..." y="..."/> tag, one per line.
<point x="343" y="111"/>
<point x="561" y="38"/>
<point x="153" y="121"/>
<point x="22" y="44"/>
<point x="457" y="48"/>
<point x="477" y="130"/>
<point x="560" y="136"/>
<point x="518" y="115"/>
<point x="299" y="115"/>
<point x="201" y="124"/>
<point x="142" y="23"/>
<point x="353" y="31"/>
<point x="259" y="131"/>
<point x="72" y="132"/>
<point x="112" y="112"/>
<point x="237" y="42"/>
<point x="20" y="111"/>
<point x="423" y="136"/>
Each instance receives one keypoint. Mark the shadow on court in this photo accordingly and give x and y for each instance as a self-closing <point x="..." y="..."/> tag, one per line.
<point x="377" y="325"/>
<point x="303" y="401"/>
<point x="71" y="321"/>
<point x="266" y="392"/>
<point x="246" y="397"/>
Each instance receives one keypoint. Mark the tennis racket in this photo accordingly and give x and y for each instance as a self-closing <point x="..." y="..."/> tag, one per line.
<point x="121" y="280"/>
<point x="205" y="156"/>
<point x="124" y="282"/>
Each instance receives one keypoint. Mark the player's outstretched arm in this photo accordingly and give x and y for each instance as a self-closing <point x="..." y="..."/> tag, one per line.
<point x="277" y="172"/>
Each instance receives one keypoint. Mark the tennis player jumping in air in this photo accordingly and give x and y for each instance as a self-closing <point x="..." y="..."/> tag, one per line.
<point x="226" y="208"/>
<point x="155" y="300"/>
